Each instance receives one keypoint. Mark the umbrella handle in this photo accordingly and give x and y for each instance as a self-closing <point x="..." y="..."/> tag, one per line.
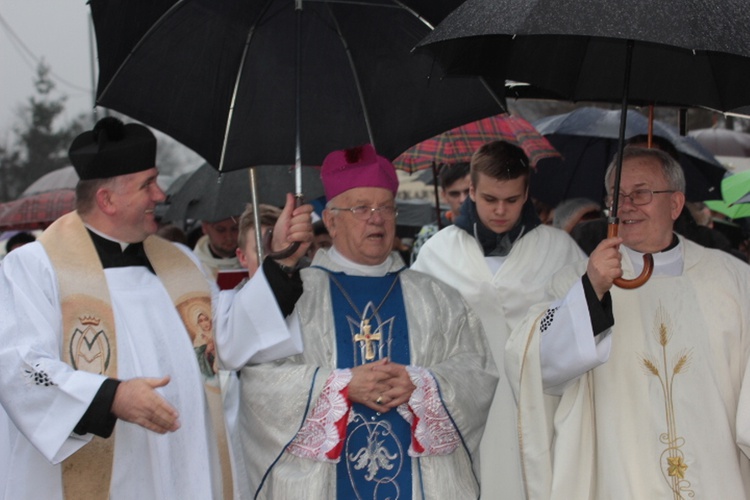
<point x="648" y="264"/>
<point x="288" y="251"/>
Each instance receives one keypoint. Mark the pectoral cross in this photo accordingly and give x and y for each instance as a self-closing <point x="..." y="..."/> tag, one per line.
<point x="368" y="338"/>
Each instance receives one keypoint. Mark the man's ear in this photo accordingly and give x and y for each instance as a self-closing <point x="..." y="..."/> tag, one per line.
<point x="329" y="221"/>
<point x="103" y="199"/>
<point x="241" y="257"/>
<point x="677" y="202"/>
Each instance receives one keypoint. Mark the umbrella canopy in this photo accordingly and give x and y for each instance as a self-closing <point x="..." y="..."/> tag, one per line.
<point x="734" y="211"/>
<point x="735" y="192"/>
<point x="735" y="188"/>
<point x="723" y="141"/>
<point x="459" y="143"/>
<point x="682" y="52"/>
<point x="42" y="202"/>
<point x="36" y="211"/>
<point x="61" y="178"/>
<point x="210" y="196"/>
<point x="280" y="82"/>
<point x="587" y="139"/>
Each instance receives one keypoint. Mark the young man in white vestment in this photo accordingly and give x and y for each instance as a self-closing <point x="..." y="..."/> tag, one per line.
<point x="500" y="257"/>
<point x="109" y="385"/>
<point x="390" y="396"/>
<point x="633" y="393"/>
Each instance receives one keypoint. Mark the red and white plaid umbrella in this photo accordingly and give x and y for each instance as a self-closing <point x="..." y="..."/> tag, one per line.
<point x="458" y="144"/>
<point x="36" y="211"/>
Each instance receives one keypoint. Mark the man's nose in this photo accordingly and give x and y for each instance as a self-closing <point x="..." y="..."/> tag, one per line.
<point x="159" y="194"/>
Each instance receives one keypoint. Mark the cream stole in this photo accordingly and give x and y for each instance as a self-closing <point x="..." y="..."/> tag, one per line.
<point x="90" y="344"/>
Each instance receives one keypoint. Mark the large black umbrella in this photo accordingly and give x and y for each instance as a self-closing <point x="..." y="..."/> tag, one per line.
<point x="681" y="52"/>
<point x="265" y="82"/>
<point x="281" y="82"/>
<point x="587" y="139"/>
<point x="684" y="52"/>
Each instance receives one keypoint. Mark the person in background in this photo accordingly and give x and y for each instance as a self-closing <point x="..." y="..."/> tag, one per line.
<point x="390" y="396"/>
<point x="172" y="233"/>
<point x="108" y="386"/>
<point x="321" y="239"/>
<point x="18" y="240"/>
<point x="454" y="189"/>
<point x="247" y="249"/>
<point x="217" y="248"/>
<point x="501" y="258"/>
<point x="647" y="387"/>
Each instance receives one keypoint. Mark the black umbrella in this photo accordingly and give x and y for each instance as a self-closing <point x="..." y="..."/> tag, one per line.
<point x="684" y="52"/>
<point x="262" y="82"/>
<point x="587" y="139"/>
<point x="680" y="52"/>
<point x="280" y="82"/>
<point x="207" y="195"/>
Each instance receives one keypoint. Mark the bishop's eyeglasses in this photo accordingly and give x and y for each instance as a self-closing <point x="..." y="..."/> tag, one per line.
<point x="363" y="212"/>
<point x="639" y="197"/>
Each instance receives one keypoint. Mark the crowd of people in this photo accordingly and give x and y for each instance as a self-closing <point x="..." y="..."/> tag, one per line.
<point x="505" y="357"/>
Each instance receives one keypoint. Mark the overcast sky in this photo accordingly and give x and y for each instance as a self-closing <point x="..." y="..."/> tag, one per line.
<point x="55" y="31"/>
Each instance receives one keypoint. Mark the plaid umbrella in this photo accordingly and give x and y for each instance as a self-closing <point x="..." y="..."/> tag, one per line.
<point x="458" y="144"/>
<point x="36" y="211"/>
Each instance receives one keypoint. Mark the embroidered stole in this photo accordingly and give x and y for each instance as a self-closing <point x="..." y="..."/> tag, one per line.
<point x="90" y="344"/>
<point x="374" y="461"/>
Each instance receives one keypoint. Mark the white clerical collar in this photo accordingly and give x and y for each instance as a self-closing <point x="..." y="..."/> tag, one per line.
<point x="356" y="269"/>
<point x="122" y="244"/>
<point x="667" y="263"/>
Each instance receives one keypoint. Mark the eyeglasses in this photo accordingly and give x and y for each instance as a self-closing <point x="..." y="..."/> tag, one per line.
<point x="640" y="196"/>
<point x="363" y="212"/>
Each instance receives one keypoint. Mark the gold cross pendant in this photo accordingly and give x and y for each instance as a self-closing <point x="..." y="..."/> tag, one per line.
<point x="366" y="336"/>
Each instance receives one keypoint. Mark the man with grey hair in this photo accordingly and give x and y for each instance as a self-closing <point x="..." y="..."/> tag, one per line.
<point x="633" y="378"/>
<point x="390" y="397"/>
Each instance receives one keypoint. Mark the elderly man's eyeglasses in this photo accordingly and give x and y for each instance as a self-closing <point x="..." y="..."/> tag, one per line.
<point x="640" y="196"/>
<point x="363" y="212"/>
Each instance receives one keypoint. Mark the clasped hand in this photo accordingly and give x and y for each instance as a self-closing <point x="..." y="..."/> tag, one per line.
<point x="381" y="385"/>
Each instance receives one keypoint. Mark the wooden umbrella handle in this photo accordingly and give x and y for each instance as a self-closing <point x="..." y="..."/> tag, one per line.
<point x="648" y="265"/>
<point x="288" y="251"/>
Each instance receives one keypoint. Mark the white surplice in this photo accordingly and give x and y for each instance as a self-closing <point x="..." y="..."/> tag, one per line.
<point x="658" y="416"/>
<point x="151" y="342"/>
<point x="501" y="299"/>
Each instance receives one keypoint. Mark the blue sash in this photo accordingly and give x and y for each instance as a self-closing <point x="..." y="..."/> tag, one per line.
<point x="374" y="461"/>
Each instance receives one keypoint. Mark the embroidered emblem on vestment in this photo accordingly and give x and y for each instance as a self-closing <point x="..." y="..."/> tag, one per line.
<point x="548" y="317"/>
<point x="39" y="377"/>
<point x="90" y="348"/>
<point x="672" y="458"/>
<point x="380" y="461"/>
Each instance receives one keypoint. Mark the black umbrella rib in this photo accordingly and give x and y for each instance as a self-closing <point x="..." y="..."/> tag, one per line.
<point x="140" y="42"/>
<point x="394" y="5"/>
<point x="355" y="75"/>
<point x="240" y="68"/>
